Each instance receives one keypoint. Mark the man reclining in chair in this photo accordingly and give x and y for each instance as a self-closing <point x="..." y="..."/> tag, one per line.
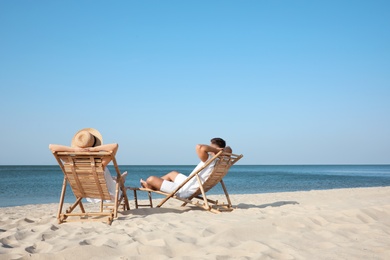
<point x="169" y="182"/>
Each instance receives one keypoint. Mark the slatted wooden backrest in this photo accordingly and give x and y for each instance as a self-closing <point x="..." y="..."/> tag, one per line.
<point x="85" y="174"/>
<point x="221" y="168"/>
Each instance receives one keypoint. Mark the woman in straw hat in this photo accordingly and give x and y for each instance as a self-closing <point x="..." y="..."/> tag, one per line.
<point x="90" y="140"/>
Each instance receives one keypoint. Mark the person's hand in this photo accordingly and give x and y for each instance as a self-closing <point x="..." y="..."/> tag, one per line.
<point x="228" y="149"/>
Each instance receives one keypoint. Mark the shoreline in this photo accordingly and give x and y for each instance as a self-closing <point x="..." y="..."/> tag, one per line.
<point x="130" y="196"/>
<point x="351" y="223"/>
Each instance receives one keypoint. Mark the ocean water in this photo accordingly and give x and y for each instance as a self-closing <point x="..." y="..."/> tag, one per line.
<point x="22" y="185"/>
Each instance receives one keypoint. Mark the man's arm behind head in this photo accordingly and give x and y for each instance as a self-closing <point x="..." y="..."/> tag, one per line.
<point x="228" y="149"/>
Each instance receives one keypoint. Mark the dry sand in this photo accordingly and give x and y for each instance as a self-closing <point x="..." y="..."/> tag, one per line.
<point x="331" y="224"/>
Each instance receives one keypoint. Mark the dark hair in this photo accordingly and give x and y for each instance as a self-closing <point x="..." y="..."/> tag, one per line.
<point x="218" y="141"/>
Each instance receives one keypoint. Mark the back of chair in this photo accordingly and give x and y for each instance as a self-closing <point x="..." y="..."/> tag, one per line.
<point x="85" y="173"/>
<point x="221" y="168"/>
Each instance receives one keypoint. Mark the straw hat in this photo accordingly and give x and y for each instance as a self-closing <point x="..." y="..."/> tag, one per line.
<point x="87" y="137"/>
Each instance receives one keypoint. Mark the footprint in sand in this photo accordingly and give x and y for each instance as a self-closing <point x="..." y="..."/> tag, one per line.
<point x="54" y="228"/>
<point x="84" y="243"/>
<point x="185" y="238"/>
<point x="39" y="247"/>
<point x="97" y="242"/>
<point x="31" y="249"/>
<point x="8" y="242"/>
<point x="29" y="220"/>
<point x="47" y="236"/>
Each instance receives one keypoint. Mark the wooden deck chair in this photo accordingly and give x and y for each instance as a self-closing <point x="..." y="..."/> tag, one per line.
<point x="223" y="162"/>
<point x="85" y="174"/>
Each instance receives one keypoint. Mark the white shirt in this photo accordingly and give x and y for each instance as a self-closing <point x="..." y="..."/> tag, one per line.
<point x="190" y="187"/>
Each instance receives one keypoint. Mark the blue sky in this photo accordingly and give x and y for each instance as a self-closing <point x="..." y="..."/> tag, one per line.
<point x="284" y="82"/>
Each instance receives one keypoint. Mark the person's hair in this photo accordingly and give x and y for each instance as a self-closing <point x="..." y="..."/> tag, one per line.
<point x="219" y="142"/>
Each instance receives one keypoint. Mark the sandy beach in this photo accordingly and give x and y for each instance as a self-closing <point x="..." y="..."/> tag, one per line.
<point x="328" y="224"/>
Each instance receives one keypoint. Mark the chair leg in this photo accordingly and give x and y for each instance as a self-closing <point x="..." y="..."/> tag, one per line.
<point x="125" y="200"/>
<point x="226" y="194"/>
<point x="101" y="205"/>
<point x="123" y="203"/>
<point x="150" y="199"/>
<point x="61" y="200"/>
<point x="71" y="208"/>
<point x="116" y="201"/>
<point x="206" y="203"/>
<point x="81" y="207"/>
<point x="135" y="199"/>
<point x="137" y="205"/>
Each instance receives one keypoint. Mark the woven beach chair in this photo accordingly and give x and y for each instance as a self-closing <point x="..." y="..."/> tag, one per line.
<point x="223" y="162"/>
<point x="85" y="174"/>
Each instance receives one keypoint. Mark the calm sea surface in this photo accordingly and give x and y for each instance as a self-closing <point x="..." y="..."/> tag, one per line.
<point x="21" y="185"/>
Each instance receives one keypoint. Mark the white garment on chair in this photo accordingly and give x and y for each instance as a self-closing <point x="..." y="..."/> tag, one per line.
<point x="111" y="186"/>
<point x="190" y="187"/>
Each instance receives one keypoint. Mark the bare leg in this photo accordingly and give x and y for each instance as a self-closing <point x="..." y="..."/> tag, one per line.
<point x="152" y="182"/>
<point x="145" y="184"/>
<point x="171" y="176"/>
<point x="155" y="183"/>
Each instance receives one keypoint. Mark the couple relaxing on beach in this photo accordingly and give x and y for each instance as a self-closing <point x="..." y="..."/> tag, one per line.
<point x="90" y="140"/>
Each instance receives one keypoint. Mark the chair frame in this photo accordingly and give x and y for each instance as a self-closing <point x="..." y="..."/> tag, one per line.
<point x="89" y="164"/>
<point x="225" y="161"/>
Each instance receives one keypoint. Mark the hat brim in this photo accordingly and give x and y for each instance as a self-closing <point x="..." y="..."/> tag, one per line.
<point x="98" y="136"/>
